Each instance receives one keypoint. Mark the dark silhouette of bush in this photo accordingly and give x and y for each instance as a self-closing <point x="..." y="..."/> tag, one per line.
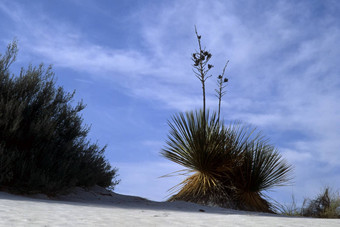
<point x="43" y="145"/>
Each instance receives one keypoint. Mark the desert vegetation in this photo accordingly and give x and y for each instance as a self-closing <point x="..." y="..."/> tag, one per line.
<point x="43" y="144"/>
<point x="228" y="165"/>
<point x="325" y="205"/>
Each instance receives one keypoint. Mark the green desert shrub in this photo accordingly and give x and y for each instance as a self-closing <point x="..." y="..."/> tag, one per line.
<point x="43" y="145"/>
<point x="325" y="205"/>
<point x="230" y="166"/>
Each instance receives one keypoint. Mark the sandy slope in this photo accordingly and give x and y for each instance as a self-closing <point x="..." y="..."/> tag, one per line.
<point x="98" y="207"/>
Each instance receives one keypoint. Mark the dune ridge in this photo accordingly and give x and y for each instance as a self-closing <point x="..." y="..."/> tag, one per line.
<point x="100" y="207"/>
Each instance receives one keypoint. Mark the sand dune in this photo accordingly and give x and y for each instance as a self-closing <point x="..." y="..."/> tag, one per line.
<point x="99" y="207"/>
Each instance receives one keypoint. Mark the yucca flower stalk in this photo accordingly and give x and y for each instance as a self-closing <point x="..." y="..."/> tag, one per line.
<point x="201" y="65"/>
<point x="219" y="91"/>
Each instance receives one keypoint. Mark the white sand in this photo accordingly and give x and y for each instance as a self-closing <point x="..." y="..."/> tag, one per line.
<point x="99" y="207"/>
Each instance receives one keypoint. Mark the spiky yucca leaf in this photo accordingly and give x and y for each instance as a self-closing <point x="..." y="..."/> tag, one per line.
<point x="231" y="166"/>
<point x="261" y="168"/>
<point x="197" y="142"/>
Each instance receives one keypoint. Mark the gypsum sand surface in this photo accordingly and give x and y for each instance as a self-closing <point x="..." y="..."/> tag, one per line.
<point x="99" y="207"/>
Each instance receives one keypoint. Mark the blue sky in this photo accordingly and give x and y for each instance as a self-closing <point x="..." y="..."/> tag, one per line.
<point x="129" y="61"/>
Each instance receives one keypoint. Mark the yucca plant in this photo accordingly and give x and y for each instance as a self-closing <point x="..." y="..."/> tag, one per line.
<point x="231" y="166"/>
<point x="197" y="142"/>
<point x="260" y="167"/>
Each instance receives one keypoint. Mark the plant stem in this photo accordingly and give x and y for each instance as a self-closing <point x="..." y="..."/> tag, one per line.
<point x="219" y="99"/>
<point x="220" y="91"/>
<point x="201" y="70"/>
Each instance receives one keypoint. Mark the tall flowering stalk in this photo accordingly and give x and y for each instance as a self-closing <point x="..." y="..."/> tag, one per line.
<point x="220" y="93"/>
<point x="201" y="66"/>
